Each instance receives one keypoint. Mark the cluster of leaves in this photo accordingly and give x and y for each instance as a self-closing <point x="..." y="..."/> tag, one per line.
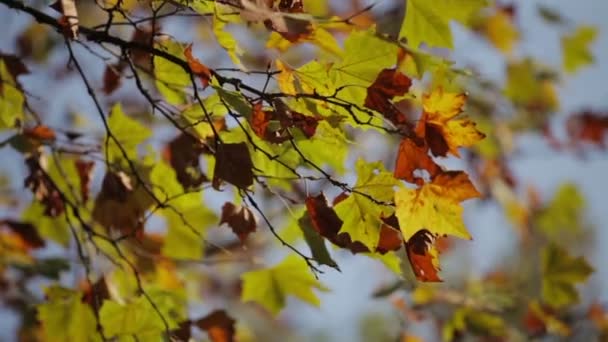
<point x="280" y="128"/>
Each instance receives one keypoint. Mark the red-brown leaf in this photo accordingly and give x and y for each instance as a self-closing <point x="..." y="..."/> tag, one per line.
<point x="233" y="164"/>
<point x="388" y="84"/>
<point x="242" y="221"/>
<point x="183" y="154"/>
<point x="588" y="126"/>
<point x="84" y="169"/>
<point x="422" y="255"/>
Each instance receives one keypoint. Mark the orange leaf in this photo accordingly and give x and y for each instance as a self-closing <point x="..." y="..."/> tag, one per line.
<point x="240" y="219"/>
<point x="198" y="68"/>
<point x="218" y="325"/>
<point x="26" y="231"/>
<point x="412" y="157"/>
<point x="423" y="256"/>
<point x="40" y="132"/>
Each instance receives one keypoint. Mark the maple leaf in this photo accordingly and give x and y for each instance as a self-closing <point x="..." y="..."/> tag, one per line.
<point x="270" y="287"/>
<point x="198" y="68"/>
<point x="423" y="256"/>
<point x="326" y="222"/>
<point x="240" y="219"/>
<point x="435" y="206"/>
<point x="361" y="215"/>
<point x="575" y="48"/>
<point x="183" y="154"/>
<point x="388" y="84"/>
<point x="121" y="203"/>
<point x="541" y="319"/>
<point x="412" y="157"/>
<point x="428" y="21"/>
<point x="561" y="272"/>
<point x="439" y="126"/>
<point x="218" y="325"/>
<point x="233" y="164"/>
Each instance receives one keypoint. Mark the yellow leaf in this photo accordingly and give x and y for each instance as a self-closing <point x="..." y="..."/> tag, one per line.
<point x="435" y="206"/>
<point x="440" y="110"/>
<point x="575" y="48"/>
<point x="286" y="78"/>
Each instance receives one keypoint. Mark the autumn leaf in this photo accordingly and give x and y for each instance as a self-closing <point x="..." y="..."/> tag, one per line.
<point x="112" y="77"/>
<point x="412" y="157"/>
<point x="26" y="231"/>
<point x="270" y="287"/>
<point x="40" y="132"/>
<point x="439" y="126"/>
<point x="121" y="203"/>
<point x="435" y="206"/>
<point x="240" y="219"/>
<point x="233" y="164"/>
<point x="198" y="68"/>
<point x="587" y="126"/>
<point x="389" y="84"/>
<point x="360" y="214"/>
<point x="423" y="256"/>
<point x="540" y="320"/>
<point x="183" y="154"/>
<point x="70" y="17"/>
<point x="315" y="242"/>
<point x="42" y="186"/>
<point x="576" y="49"/>
<point x="219" y="326"/>
<point x="84" y="169"/>
<point x="326" y="222"/>
<point x="499" y="28"/>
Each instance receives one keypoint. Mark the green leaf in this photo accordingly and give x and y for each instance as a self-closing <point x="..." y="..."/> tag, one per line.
<point x="316" y="243"/>
<point x="53" y="228"/>
<point x="170" y="78"/>
<point x="135" y="318"/>
<point x="362" y="216"/>
<point x="65" y="317"/>
<point x="226" y="39"/>
<point x="560" y="274"/>
<point x="327" y="146"/>
<point x="270" y="287"/>
<point x="429" y="21"/>
<point x="11" y="99"/>
<point x="129" y="133"/>
<point x="236" y="101"/>
<point x="563" y="213"/>
<point x="365" y="55"/>
<point x="576" y="48"/>
<point x="186" y="216"/>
